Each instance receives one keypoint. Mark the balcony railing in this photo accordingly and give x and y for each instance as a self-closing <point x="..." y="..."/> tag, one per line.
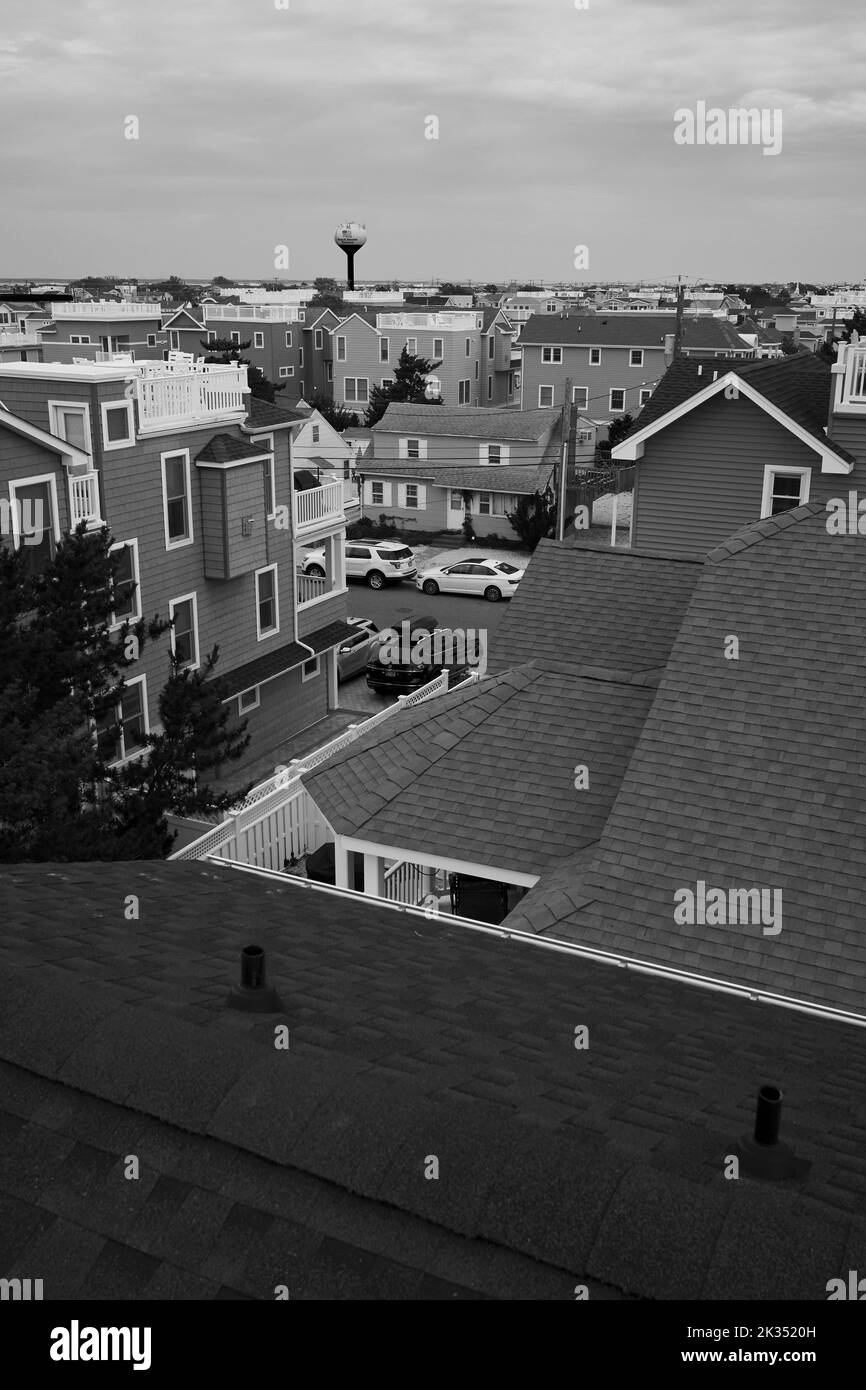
<point x="315" y="506"/>
<point x="84" y="499"/>
<point x="106" y="309"/>
<point x="850" y="371"/>
<point x="262" y="313"/>
<point x="168" y="397"/>
<point x="19" y="340"/>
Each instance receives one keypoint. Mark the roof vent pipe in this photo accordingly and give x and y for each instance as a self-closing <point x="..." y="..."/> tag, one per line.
<point x="253" y="995"/>
<point x="763" y="1155"/>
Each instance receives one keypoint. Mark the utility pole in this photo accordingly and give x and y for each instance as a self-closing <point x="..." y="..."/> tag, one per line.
<point x="562" y="476"/>
<point x="678" y="339"/>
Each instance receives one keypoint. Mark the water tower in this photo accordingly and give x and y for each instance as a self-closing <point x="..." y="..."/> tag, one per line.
<point x="350" y="237"/>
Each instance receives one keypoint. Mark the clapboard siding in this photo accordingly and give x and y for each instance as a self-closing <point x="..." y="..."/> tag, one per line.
<point x="286" y="706"/>
<point x="702" y="478"/>
<point x="22" y="458"/>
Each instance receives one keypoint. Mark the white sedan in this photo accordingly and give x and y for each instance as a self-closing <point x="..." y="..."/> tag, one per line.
<point x="494" y="579"/>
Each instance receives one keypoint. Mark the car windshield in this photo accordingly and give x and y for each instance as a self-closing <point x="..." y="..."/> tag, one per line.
<point x="506" y="568"/>
<point x="401" y="553"/>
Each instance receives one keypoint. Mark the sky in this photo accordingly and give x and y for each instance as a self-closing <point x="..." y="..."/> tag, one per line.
<point x="261" y="127"/>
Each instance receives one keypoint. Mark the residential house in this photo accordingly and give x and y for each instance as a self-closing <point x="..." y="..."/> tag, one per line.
<point x="275" y="334"/>
<point x="720" y="446"/>
<point x="194" y="479"/>
<point x="93" y="331"/>
<point x="323" y="451"/>
<point x="431" y="466"/>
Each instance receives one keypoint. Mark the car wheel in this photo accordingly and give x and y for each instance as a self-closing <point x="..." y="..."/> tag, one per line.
<point x="430" y="586"/>
<point x="316" y="571"/>
<point x="376" y="580"/>
<point x="492" y="594"/>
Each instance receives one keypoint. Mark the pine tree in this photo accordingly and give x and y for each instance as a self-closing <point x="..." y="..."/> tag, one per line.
<point x="409" y="384"/>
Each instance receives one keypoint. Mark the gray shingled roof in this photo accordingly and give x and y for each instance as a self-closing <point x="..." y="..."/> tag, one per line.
<point x="614" y="609"/>
<point x="486" y="477"/>
<point x="226" y="448"/>
<point x="487" y="774"/>
<point x="750" y="773"/>
<point x="643" y="330"/>
<point x="466" y="421"/>
<point x="408" y="1037"/>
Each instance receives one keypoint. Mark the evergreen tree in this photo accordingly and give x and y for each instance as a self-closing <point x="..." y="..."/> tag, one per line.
<point x="534" y="517"/>
<point x="409" y="384"/>
<point x="223" y="350"/>
<point x="337" y="416"/>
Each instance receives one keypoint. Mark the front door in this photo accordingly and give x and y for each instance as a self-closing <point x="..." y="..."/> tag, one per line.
<point x="454" y="511"/>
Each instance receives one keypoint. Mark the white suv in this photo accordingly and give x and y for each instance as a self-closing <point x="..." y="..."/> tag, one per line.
<point x="376" y="562"/>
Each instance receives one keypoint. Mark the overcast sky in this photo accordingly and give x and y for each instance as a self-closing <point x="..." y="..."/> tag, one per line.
<point x="261" y="127"/>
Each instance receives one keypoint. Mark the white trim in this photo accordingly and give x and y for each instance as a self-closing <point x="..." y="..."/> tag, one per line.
<point x="338" y="355"/>
<point x="552" y="360"/>
<point x="631" y="353"/>
<point x="268" y="440"/>
<point x="772" y="471"/>
<point x="318" y="339"/>
<point x="256" y="691"/>
<point x="403" y="447"/>
<point x="186" y="598"/>
<point x="258" y="335"/>
<point x="459" y="866"/>
<point x="287" y="371"/>
<point x="131" y="617"/>
<point x="314" y="675"/>
<point x="617" y="409"/>
<point x="55" y="406"/>
<point x="356" y="399"/>
<point x="187" y="540"/>
<point x="384" y="342"/>
<point x="591" y="351"/>
<point x="109" y="445"/>
<point x="272" y="631"/>
<point x="118" y="712"/>
<point x="288" y="337"/>
<point x="552" y="390"/>
<point x="581" y="405"/>
<point x="631" y="449"/>
<point x="645" y="391"/>
<point x="14" y="509"/>
<point x="59" y="446"/>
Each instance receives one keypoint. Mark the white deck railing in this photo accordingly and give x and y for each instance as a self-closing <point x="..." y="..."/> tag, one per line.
<point x="84" y="498"/>
<point x="309" y="587"/>
<point x="167" y="396"/>
<point x="259" y="313"/>
<point x="106" y="309"/>
<point x="316" y="505"/>
<point x="854" y="378"/>
<point x="19" y="340"/>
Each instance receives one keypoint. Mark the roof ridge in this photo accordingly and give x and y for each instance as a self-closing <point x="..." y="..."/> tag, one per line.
<point x="757" y="531"/>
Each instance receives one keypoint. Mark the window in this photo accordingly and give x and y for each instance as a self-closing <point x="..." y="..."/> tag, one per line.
<point x="545" y="396"/>
<point x="580" y="397"/>
<point x="151" y="340"/>
<point x="384" y="349"/>
<point x="70" y="421"/>
<point x="635" y="357"/>
<point x="269" y="479"/>
<point x="413" y="449"/>
<point x="490" y="388"/>
<point x="287" y="371"/>
<point x="174" y="340"/>
<point x="117" y="425"/>
<point x="315" y="434"/>
<point x="476" y="368"/>
<point x="234" y="337"/>
<point x="126" y="591"/>
<point x="318" y="340"/>
<point x="456" y="502"/>
<point x="258" y="340"/>
<point x="211" y="337"/>
<point x="484" y="503"/>
<point x="78" y="337"/>
<point x="551" y="354"/>
<point x="378" y="494"/>
<point x="432" y="387"/>
<point x="412" y="346"/>
<point x="249" y="699"/>
<point x="302" y="315"/>
<point x="330" y="371"/>
<point x="411" y="494"/>
<point x="468" y="347"/>
<point x="645" y="394"/>
<point x="35" y="520"/>
<point x="356" y="388"/>
<point x="438" y="347"/>
<point x="310" y="669"/>
<point x="121" y="732"/>
<point x="595" y="357"/>
<point x="301" y="388"/>
<point x="184" y="634"/>
<point x="177" y="514"/>
<point x="341" y="348"/>
<point x="784" y="488"/>
<point x="584" y="436"/>
<point x="267" y="607"/>
<point x="491" y="348"/>
<point x="463" y="389"/>
<point x="300" y="357"/>
<point x="617" y="398"/>
<point x="494" y="453"/>
<point x="289" y="338"/>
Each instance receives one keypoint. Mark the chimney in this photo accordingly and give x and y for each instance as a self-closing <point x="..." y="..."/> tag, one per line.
<point x="253" y="995"/>
<point x="762" y="1154"/>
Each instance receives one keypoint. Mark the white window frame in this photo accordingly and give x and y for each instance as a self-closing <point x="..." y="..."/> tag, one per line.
<point x="300" y="357"/>
<point x="384" y="349"/>
<point x="288" y="337"/>
<point x="341" y="347"/>
<point x="109" y="445"/>
<point x="118" y="719"/>
<point x="256" y="692"/>
<point x="466" y="393"/>
<point x="412" y="347"/>
<point x="541" y="403"/>
<point x="258" y="340"/>
<point x="440" y="350"/>
<point x="645" y="394"/>
<point x="188" y="540"/>
<point x="597" y="362"/>
<point x="78" y="338"/>
<point x="484" y="453"/>
<point x="287" y="371"/>
<point x="136" y="616"/>
<point x="211" y="335"/>
<point x="404" y="453"/>
<point x="272" y="631"/>
<point x="16" y="512"/>
<point x="773" y="470"/>
<point x="468" y="347"/>
<point x="374" y="483"/>
<point x="234" y="336"/>
<point x="268" y="441"/>
<point x="631" y="353"/>
<point x="581" y="405"/>
<point x="551" y="356"/>
<point x="315" y="432"/>
<point x="54" y="407"/>
<point x="318" y="339"/>
<point x="313" y="675"/>
<point x="356" y="399"/>
<point x="186" y="598"/>
<point x="151" y="340"/>
<point x="490" y="388"/>
<point x="491" y="348"/>
<point x="616" y="409"/>
<point x="174" y="340"/>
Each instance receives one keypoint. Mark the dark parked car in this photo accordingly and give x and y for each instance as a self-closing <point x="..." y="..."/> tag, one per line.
<point x="403" y="676"/>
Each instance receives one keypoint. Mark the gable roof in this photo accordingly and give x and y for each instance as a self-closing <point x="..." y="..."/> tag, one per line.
<point x="749" y="773"/>
<point x="794" y="391"/>
<point x="407" y="785"/>
<point x="183" y="314"/>
<point x="408" y="1036"/>
<point x="483" y="477"/>
<point x="617" y="610"/>
<point x="262" y="415"/>
<point x="467" y="421"/>
<point x="48" y="441"/>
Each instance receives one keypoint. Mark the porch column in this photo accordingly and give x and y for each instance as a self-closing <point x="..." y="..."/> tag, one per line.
<point x="341" y="864"/>
<point x="613" y="519"/>
<point x="331" y="676"/>
<point x="374" y="875"/>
